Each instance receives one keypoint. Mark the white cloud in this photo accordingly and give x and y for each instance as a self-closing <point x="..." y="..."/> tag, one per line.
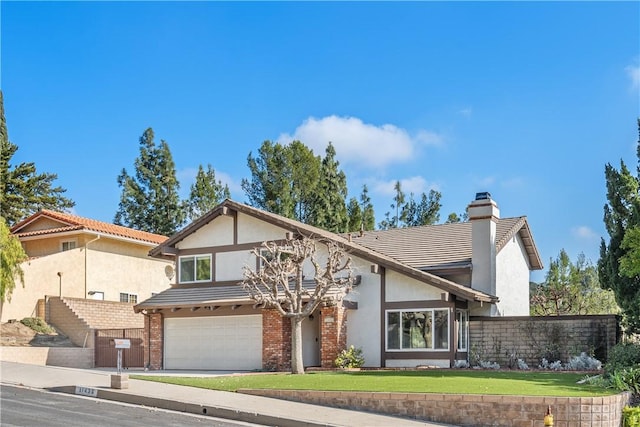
<point x="633" y="71"/>
<point x="361" y="144"/>
<point x="466" y="112"/>
<point x="584" y="232"/>
<point x="416" y="185"/>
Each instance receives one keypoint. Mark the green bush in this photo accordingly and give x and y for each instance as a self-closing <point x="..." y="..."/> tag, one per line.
<point x="622" y="356"/>
<point x="631" y="416"/>
<point x="38" y="325"/>
<point x="626" y="379"/>
<point x="350" y="358"/>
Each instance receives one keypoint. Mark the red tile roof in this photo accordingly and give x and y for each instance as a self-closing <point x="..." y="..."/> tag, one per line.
<point x="73" y="222"/>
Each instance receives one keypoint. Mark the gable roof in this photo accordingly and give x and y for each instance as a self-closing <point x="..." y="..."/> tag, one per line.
<point x="68" y="222"/>
<point x="444" y="245"/>
<point x="369" y="254"/>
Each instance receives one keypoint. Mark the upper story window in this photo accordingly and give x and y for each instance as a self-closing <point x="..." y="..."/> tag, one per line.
<point x="131" y="298"/>
<point x="68" y="245"/>
<point x="195" y="268"/>
<point x="418" y="329"/>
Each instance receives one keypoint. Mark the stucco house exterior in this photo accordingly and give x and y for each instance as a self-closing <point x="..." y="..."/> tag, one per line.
<point x="75" y="257"/>
<point x="416" y="289"/>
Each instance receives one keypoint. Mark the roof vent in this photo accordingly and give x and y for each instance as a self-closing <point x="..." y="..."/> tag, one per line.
<point x="485" y="195"/>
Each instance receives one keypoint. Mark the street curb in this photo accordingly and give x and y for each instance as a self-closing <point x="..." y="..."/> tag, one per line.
<point x="192" y="408"/>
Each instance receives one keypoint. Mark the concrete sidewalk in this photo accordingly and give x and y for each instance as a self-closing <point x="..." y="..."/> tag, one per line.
<point x="234" y="406"/>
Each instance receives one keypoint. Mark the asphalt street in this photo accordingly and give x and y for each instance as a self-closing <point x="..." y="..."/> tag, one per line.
<point x="26" y="407"/>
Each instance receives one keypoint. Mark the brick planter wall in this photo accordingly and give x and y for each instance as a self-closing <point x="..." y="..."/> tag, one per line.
<point x="469" y="410"/>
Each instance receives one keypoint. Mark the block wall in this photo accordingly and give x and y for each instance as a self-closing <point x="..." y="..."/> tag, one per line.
<point x="506" y="339"/>
<point x="467" y="409"/>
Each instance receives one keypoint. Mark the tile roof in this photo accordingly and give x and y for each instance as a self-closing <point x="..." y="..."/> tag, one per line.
<point x="69" y="222"/>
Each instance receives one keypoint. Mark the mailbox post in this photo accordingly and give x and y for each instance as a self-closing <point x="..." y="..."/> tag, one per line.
<point x="119" y="380"/>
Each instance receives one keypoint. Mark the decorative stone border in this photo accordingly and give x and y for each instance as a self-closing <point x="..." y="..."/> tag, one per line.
<point x="468" y="409"/>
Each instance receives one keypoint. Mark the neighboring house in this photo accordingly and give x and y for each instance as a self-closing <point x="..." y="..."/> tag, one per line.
<point x="417" y="288"/>
<point x="75" y="257"/>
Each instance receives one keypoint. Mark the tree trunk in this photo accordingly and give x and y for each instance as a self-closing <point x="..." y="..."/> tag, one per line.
<point x="297" y="365"/>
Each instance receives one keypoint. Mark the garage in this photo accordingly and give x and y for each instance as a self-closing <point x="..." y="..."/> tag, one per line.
<point x="213" y="343"/>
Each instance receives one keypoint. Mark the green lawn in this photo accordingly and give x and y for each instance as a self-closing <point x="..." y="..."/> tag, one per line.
<point x="428" y="381"/>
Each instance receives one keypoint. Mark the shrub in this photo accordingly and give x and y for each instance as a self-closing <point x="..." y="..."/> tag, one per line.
<point x="627" y="379"/>
<point x="584" y="362"/>
<point x="38" y="325"/>
<point x="522" y="365"/>
<point x="350" y="358"/>
<point x="554" y="366"/>
<point x="622" y="356"/>
<point x="461" y="364"/>
<point x="631" y="416"/>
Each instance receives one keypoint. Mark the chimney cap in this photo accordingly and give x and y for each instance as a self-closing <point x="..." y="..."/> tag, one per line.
<point x="484" y="195"/>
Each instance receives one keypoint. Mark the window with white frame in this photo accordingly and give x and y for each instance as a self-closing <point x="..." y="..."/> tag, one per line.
<point x="195" y="268"/>
<point x="67" y="245"/>
<point x="422" y="329"/>
<point x="462" y="320"/>
<point x="131" y="298"/>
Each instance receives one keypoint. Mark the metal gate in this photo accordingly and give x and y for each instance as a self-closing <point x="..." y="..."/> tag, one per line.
<point x="106" y="355"/>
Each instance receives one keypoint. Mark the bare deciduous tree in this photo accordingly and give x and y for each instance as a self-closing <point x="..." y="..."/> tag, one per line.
<point x="279" y="282"/>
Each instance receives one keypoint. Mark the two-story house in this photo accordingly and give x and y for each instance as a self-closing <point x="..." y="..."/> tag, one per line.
<point x="417" y="288"/>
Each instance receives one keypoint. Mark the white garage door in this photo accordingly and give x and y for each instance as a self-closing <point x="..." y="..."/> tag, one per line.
<point x="213" y="343"/>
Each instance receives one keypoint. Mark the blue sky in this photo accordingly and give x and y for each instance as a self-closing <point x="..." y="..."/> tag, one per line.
<point x="526" y="100"/>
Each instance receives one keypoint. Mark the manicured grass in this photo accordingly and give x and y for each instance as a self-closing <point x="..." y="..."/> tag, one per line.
<point x="428" y="381"/>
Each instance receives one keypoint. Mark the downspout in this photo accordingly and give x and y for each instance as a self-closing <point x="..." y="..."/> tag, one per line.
<point x="86" y="249"/>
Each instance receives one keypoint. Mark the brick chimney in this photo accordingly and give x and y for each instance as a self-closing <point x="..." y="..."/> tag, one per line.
<point x="483" y="214"/>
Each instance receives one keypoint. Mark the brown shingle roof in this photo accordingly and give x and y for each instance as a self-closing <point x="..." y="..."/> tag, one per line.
<point x="69" y="222"/>
<point x="443" y="244"/>
<point x="318" y="233"/>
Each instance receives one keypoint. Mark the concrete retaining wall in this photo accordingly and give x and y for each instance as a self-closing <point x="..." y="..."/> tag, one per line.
<point x="69" y="357"/>
<point x="469" y="410"/>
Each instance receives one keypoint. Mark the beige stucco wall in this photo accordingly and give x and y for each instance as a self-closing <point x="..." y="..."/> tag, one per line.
<point x="512" y="279"/>
<point x="363" y="324"/>
<point x="130" y="271"/>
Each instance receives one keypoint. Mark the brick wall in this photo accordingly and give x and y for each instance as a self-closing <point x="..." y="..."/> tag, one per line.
<point x="333" y="334"/>
<point x="276" y="341"/>
<point x="153" y="341"/>
<point x="52" y="356"/>
<point x="505" y="339"/>
<point x="469" y="410"/>
<point x="106" y="314"/>
<point x="77" y="317"/>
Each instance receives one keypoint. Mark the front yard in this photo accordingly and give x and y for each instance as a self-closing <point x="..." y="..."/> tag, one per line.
<point x="557" y="384"/>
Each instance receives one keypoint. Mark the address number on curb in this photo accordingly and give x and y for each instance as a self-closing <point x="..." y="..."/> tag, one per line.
<point x="87" y="391"/>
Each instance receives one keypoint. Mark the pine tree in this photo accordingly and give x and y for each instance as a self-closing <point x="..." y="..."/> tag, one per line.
<point x="354" y="212"/>
<point x="368" y="214"/>
<point x="330" y="210"/>
<point x="621" y="214"/>
<point x="427" y="212"/>
<point x="270" y="187"/>
<point x="23" y="191"/>
<point x="205" y="193"/>
<point x="150" y="201"/>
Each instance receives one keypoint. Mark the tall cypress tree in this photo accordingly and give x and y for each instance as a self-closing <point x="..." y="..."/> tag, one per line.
<point x="205" y="193"/>
<point x="368" y="214"/>
<point x="23" y="191"/>
<point x="150" y="200"/>
<point x="329" y="207"/>
<point x="621" y="215"/>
